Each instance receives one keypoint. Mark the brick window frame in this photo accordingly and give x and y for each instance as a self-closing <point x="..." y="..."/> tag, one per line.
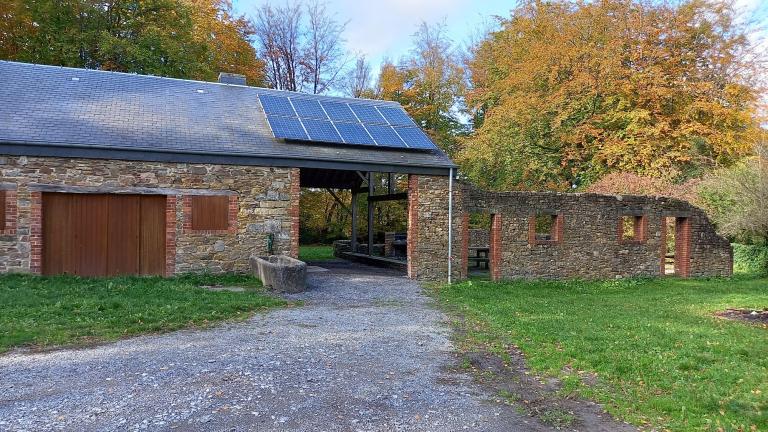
<point x="170" y="235"/>
<point x="8" y="211"/>
<point x="36" y="232"/>
<point x="232" y="210"/>
<point x="640" y="228"/>
<point x="557" y="228"/>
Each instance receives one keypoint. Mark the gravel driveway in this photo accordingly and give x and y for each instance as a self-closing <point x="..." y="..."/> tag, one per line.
<point x="367" y="351"/>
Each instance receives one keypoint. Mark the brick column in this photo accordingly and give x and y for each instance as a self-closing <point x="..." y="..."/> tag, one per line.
<point x="683" y="247"/>
<point x="170" y="234"/>
<point x="495" y="247"/>
<point x="464" y="245"/>
<point x="413" y="223"/>
<point x="295" y="211"/>
<point x="663" y="264"/>
<point x="36" y="232"/>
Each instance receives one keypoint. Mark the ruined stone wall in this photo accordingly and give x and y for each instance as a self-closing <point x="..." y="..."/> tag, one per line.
<point x="479" y="237"/>
<point x="266" y="202"/>
<point x="588" y="243"/>
<point x="428" y="229"/>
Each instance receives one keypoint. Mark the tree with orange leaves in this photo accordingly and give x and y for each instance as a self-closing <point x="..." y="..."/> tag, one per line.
<point x="565" y="92"/>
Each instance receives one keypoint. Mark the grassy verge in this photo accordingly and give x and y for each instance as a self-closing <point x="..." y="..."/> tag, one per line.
<point x="661" y="358"/>
<point x="316" y="253"/>
<point x="63" y="310"/>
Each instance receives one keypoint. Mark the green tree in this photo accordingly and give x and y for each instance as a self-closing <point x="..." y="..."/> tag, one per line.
<point x="177" y="38"/>
<point x="736" y="198"/>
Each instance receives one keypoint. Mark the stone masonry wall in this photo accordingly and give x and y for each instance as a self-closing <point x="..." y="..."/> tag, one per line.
<point x="589" y="244"/>
<point x="264" y="200"/>
<point x="428" y="229"/>
<point x="479" y="237"/>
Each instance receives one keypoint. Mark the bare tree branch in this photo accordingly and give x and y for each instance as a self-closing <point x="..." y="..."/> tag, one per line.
<point x="301" y="45"/>
<point x="359" y="79"/>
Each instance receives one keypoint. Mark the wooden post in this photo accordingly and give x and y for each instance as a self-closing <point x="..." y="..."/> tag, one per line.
<point x="353" y="242"/>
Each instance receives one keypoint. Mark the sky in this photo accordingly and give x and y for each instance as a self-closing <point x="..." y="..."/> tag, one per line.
<point x="382" y="29"/>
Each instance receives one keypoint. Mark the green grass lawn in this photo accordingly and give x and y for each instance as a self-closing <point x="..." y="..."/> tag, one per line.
<point x="662" y="359"/>
<point x="316" y="253"/>
<point x="62" y="310"/>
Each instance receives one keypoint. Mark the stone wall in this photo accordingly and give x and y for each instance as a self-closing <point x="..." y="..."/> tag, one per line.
<point x="479" y="237"/>
<point x="266" y="202"/>
<point x="587" y="242"/>
<point x="428" y="229"/>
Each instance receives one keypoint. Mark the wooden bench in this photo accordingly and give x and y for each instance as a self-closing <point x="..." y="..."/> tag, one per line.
<point x="480" y="257"/>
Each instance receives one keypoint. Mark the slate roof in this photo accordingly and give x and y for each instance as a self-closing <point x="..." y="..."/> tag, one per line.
<point x="56" y="111"/>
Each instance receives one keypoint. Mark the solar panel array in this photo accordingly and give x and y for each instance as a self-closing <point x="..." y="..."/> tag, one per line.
<point x="334" y="121"/>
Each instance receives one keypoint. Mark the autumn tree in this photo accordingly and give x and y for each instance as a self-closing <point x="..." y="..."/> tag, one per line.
<point x="429" y="83"/>
<point x="566" y="92"/>
<point x="302" y="46"/>
<point x="228" y="38"/>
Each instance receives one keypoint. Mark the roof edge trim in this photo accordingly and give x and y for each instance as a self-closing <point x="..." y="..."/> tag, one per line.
<point x="93" y="152"/>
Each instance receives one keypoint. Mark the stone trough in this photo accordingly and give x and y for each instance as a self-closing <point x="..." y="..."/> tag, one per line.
<point x="280" y="273"/>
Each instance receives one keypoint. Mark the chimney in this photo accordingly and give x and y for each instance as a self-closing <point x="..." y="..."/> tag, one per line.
<point x="230" y="78"/>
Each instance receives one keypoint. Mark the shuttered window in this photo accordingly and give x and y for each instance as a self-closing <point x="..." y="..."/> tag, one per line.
<point x="210" y="213"/>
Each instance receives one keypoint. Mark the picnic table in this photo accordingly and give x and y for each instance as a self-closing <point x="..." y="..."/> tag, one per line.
<point x="479" y="255"/>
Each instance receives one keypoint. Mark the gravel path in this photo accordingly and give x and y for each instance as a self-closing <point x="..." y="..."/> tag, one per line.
<point x="367" y="351"/>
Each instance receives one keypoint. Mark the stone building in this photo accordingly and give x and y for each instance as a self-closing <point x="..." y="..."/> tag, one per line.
<point x="106" y="173"/>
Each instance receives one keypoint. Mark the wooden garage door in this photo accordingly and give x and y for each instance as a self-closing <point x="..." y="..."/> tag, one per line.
<point x="103" y="235"/>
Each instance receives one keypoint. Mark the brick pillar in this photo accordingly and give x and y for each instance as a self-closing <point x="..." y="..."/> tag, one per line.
<point x="170" y="233"/>
<point x="464" y="246"/>
<point x="495" y="247"/>
<point x="36" y="232"/>
<point x="683" y="247"/>
<point x="413" y="223"/>
<point x="295" y="211"/>
<point x="663" y="268"/>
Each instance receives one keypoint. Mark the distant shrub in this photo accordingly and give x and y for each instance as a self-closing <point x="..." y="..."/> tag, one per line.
<point x="750" y="258"/>
<point x="736" y="197"/>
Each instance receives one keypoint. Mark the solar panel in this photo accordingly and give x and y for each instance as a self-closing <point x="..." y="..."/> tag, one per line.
<point x="287" y="128"/>
<point x="415" y="138"/>
<point x="359" y="122"/>
<point x="339" y="111"/>
<point x="321" y="130"/>
<point x="395" y="116"/>
<point x="307" y="108"/>
<point x="354" y="133"/>
<point x="368" y="114"/>
<point x="277" y="105"/>
<point x="385" y="136"/>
